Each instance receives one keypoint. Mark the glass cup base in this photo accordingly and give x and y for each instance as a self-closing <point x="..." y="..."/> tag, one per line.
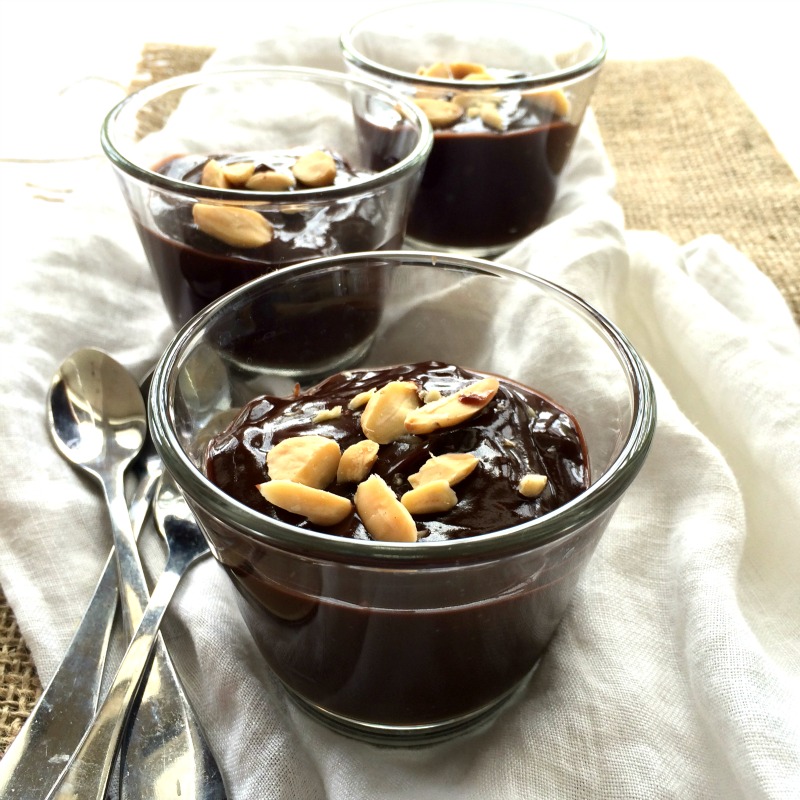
<point x="407" y="736"/>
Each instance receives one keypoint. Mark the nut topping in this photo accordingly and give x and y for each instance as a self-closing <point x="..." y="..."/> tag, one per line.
<point x="213" y="175"/>
<point x="532" y="485"/>
<point x="271" y="181"/>
<point x="384" y="416"/>
<point x="356" y="462"/>
<point x="317" y="506"/>
<point x="315" y="169"/>
<point x="430" y="498"/>
<point x="310" y="460"/>
<point x="238" y="173"/>
<point x="238" y="227"/>
<point x="453" y="409"/>
<point x="491" y="117"/>
<point x="360" y="399"/>
<point x="440" y="113"/>
<point x="553" y="100"/>
<point x="467" y="69"/>
<point x="451" y="467"/>
<point x="384" y="516"/>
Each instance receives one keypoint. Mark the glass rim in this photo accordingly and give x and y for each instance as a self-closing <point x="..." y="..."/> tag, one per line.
<point x="525" y="536"/>
<point x="353" y="55"/>
<point x="415" y="159"/>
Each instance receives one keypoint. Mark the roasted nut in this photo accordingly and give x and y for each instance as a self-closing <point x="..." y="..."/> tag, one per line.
<point x="384" y="516"/>
<point x="429" y="395"/>
<point x="315" y="169"/>
<point x="451" y="467"/>
<point x="478" y="76"/>
<point x="453" y="409"/>
<point x="440" y="113"/>
<point x="238" y="227"/>
<point x="317" y="506"/>
<point x="463" y="69"/>
<point x="468" y="100"/>
<point x="238" y="173"/>
<point x="311" y="460"/>
<point x="326" y="414"/>
<point x="553" y="100"/>
<point x="491" y="117"/>
<point x="532" y="485"/>
<point x="271" y="181"/>
<point x="437" y="70"/>
<point x="356" y="462"/>
<point x="213" y="175"/>
<point x="383" y="418"/>
<point x="430" y="498"/>
<point x="360" y="399"/>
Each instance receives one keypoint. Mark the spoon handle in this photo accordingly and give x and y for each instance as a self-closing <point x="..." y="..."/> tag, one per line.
<point x="88" y="770"/>
<point x="66" y="707"/>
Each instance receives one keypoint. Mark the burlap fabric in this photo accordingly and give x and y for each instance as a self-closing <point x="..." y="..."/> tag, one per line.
<point x="691" y="159"/>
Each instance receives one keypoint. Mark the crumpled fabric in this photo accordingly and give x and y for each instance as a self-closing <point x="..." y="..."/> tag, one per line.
<point x="676" y="670"/>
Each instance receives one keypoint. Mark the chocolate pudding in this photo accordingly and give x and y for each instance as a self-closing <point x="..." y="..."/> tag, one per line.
<point x="425" y="648"/>
<point x="194" y="265"/>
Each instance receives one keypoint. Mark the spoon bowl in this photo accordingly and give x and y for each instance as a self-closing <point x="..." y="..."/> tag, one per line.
<point x="96" y="412"/>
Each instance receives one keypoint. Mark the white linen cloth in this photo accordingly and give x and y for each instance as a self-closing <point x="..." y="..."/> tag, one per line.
<point x="676" y="671"/>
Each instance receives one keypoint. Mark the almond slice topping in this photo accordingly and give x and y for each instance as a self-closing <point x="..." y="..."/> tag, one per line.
<point x="213" y="175"/>
<point x="315" y="169"/>
<point x="238" y="227"/>
<point x="384" y="415"/>
<point x="384" y="516"/>
<point x="316" y="505"/>
<point x="440" y="113"/>
<point x="451" y="467"/>
<point x="270" y="181"/>
<point x="532" y="485"/>
<point x="453" y="409"/>
<point x="237" y="173"/>
<point x="311" y="460"/>
<point x="430" y="498"/>
<point x="356" y="462"/>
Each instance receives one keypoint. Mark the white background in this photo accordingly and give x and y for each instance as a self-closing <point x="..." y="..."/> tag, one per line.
<point x="63" y="63"/>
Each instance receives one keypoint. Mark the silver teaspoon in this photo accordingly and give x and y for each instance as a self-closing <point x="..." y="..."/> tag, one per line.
<point x="98" y="421"/>
<point x="87" y="772"/>
<point x="69" y="701"/>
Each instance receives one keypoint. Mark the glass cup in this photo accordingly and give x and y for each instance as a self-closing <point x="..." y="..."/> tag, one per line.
<point x="393" y="642"/>
<point x="209" y="227"/>
<point x="506" y="86"/>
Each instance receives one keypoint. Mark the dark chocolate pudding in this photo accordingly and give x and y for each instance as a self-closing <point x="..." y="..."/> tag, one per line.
<point x="193" y="268"/>
<point x="413" y="648"/>
<point x="518" y="433"/>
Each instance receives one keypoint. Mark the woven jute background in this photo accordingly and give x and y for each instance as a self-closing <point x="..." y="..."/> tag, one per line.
<point x="691" y="159"/>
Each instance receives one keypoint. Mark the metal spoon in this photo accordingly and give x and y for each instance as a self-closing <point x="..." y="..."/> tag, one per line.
<point x="98" y="421"/>
<point x="87" y="772"/>
<point x="69" y="702"/>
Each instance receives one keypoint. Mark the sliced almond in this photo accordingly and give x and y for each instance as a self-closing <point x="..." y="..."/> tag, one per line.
<point x="436" y="70"/>
<point x="430" y="498"/>
<point x="213" y="175"/>
<point x="271" y="181"/>
<point x="315" y="169"/>
<point x="238" y="227"/>
<point x="553" y="100"/>
<point x="360" y="399"/>
<point x="384" y="516"/>
<point x="311" y="460"/>
<point x="356" y="462"/>
<point x="453" y="409"/>
<point x="532" y="485"/>
<point x="383" y="418"/>
<point x="440" y="113"/>
<point x="451" y="467"/>
<point x="491" y="117"/>
<point x="316" y="505"/>
<point x="238" y="173"/>
<point x="327" y="414"/>
<point x="463" y="69"/>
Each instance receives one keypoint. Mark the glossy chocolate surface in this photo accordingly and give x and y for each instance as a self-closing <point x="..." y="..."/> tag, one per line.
<point x="519" y="432"/>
